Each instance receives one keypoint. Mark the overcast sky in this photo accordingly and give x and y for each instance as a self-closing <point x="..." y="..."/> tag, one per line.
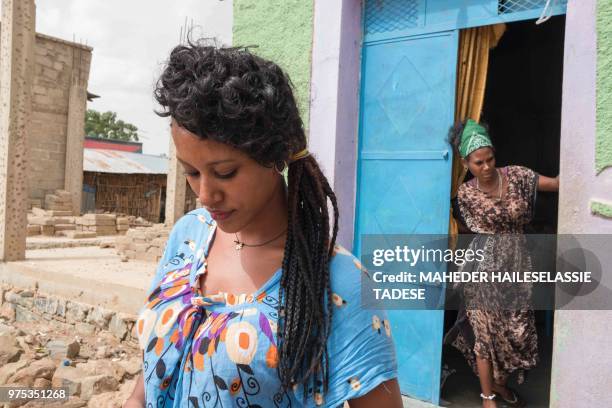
<point x="130" y="41"/>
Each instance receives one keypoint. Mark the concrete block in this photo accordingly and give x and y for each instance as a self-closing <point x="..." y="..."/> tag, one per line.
<point x="104" y="230"/>
<point x="55" y="213"/>
<point x="64" y="227"/>
<point x="33" y="220"/>
<point x="33" y="230"/>
<point x="100" y="217"/>
<point x="48" y="230"/>
<point x="39" y="212"/>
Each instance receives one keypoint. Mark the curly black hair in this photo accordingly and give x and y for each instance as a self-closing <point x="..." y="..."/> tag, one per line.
<point x="235" y="97"/>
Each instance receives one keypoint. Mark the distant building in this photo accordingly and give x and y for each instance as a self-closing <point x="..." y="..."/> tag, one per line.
<point x="121" y="181"/>
<point x="110" y="144"/>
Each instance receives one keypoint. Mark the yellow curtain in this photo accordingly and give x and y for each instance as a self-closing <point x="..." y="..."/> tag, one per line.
<point x="472" y="66"/>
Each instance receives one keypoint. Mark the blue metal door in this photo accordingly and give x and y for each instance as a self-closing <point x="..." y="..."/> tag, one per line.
<point x="409" y="64"/>
<point x="407" y="106"/>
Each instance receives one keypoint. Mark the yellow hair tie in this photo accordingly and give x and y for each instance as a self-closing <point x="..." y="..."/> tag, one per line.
<point x="299" y="155"/>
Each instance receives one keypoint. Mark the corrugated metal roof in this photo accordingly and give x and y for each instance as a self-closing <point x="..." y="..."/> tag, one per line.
<point x="114" y="161"/>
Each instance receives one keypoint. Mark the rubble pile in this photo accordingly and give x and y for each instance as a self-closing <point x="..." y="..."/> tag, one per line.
<point x="62" y="223"/>
<point x="98" y="371"/>
<point x="50" y="222"/>
<point x="47" y="342"/>
<point x="143" y="243"/>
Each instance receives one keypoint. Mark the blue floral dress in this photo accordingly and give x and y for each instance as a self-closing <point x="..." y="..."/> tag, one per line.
<point x="221" y="350"/>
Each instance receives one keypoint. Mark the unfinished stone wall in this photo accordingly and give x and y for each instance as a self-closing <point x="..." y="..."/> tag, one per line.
<point x="30" y="305"/>
<point x="58" y="62"/>
<point x="143" y="243"/>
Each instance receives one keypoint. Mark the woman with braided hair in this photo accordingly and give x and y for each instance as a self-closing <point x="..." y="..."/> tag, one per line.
<point x="253" y="303"/>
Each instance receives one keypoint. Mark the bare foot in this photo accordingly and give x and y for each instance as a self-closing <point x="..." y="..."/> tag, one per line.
<point x="503" y="391"/>
<point x="489" y="404"/>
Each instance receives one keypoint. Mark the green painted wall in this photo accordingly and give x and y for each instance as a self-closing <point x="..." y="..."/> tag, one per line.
<point x="603" y="146"/>
<point x="282" y="30"/>
<point x="602" y="209"/>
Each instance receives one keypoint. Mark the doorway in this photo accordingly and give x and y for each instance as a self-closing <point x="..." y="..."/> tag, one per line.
<point x="522" y="108"/>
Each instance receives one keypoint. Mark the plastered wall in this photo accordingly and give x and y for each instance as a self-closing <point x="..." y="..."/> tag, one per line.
<point x="282" y="32"/>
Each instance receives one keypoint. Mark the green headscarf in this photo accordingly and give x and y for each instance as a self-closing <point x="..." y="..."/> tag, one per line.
<point x="473" y="137"/>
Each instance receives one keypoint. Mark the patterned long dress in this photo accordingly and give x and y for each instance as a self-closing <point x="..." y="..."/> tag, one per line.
<point x="505" y="337"/>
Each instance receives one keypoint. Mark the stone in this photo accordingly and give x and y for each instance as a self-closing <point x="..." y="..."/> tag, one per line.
<point x="85" y="329"/>
<point x="57" y="349"/>
<point x="48" y="230"/>
<point x="64" y="227"/>
<point x="105" y="400"/>
<point x="23" y="314"/>
<point x="76" y="312"/>
<point x="18" y="299"/>
<point x="7" y="311"/>
<point x="33" y="230"/>
<point x="132" y="366"/>
<point x="9" y="348"/>
<point x="27" y="293"/>
<point x="41" y="383"/>
<point x="43" y="368"/>
<point x="103" y="230"/>
<point x="60" y="350"/>
<point x="43" y="221"/>
<point x="99" y="317"/>
<point x="118" y="326"/>
<point x="6" y="329"/>
<point x="39" y="212"/>
<point x="97" y="384"/>
<point x="46" y="305"/>
<point x="103" y="352"/>
<point x="70" y="377"/>
<point x="61" y="308"/>
<point x="106" y="367"/>
<point x="9" y="370"/>
<point x="35" y="202"/>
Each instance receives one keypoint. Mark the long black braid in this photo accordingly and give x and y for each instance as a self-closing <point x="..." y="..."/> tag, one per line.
<point x="232" y="96"/>
<point x="305" y="290"/>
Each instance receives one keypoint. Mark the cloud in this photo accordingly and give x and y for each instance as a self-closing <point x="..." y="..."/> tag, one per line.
<point x="131" y="40"/>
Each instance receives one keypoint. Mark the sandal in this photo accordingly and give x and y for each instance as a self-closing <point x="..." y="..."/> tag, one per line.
<point x="516" y="400"/>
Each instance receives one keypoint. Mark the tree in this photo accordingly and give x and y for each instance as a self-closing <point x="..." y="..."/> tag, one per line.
<point x="106" y="126"/>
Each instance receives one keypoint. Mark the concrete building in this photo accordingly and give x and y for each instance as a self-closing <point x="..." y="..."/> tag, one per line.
<point x="59" y="100"/>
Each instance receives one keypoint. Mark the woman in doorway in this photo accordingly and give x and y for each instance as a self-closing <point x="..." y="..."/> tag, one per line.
<point x="253" y="303"/>
<point x="496" y="204"/>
